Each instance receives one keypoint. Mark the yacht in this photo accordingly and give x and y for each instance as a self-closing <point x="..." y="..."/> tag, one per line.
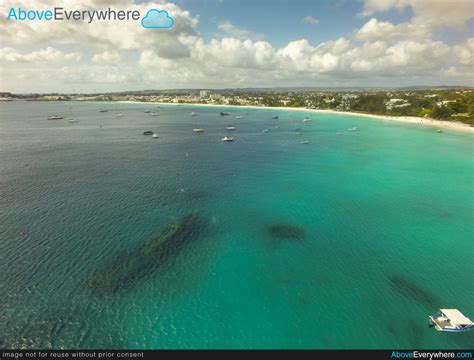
<point x="198" y="130"/>
<point x="239" y="117"/>
<point x="230" y="127"/>
<point x="155" y="136"/>
<point x="154" y="114"/>
<point x="55" y="117"/>
<point x="149" y="132"/>
<point x="307" y="120"/>
<point x="193" y="114"/>
<point x="264" y="131"/>
<point x="305" y="142"/>
<point x="227" y="138"/>
<point x="354" y="129"/>
<point x="103" y="110"/>
<point x="223" y="113"/>
<point x="451" y="320"/>
<point x="118" y="115"/>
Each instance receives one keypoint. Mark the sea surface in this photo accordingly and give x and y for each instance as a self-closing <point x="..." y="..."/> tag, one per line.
<point x="349" y="241"/>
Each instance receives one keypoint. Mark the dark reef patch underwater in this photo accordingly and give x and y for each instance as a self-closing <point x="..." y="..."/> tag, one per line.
<point x="280" y="232"/>
<point x="129" y="266"/>
<point x="412" y="290"/>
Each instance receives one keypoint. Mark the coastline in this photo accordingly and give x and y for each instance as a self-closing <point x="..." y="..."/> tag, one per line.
<point x="414" y="120"/>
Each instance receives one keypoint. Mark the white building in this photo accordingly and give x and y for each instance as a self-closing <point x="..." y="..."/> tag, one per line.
<point x="204" y="93"/>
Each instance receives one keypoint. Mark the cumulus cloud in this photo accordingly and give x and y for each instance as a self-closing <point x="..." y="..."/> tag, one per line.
<point x="106" y="57"/>
<point x="123" y="55"/>
<point x="48" y="55"/>
<point x="310" y="20"/>
<point x="433" y="14"/>
<point x="231" y="30"/>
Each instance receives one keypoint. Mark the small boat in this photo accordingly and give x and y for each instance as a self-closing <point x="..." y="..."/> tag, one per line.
<point x="230" y="127"/>
<point x="307" y="119"/>
<point x="103" y="110"/>
<point x="55" y="117"/>
<point x="439" y="131"/>
<point x="305" y="142"/>
<point x="339" y="133"/>
<point x="300" y="133"/>
<point x="154" y="114"/>
<point x="198" y="130"/>
<point x="275" y="117"/>
<point x="227" y="138"/>
<point x="193" y="114"/>
<point x="118" y="115"/>
<point x="223" y="113"/>
<point x="239" y="117"/>
<point x="451" y="320"/>
<point x="148" y="132"/>
<point x="147" y="111"/>
<point x="354" y="129"/>
<point x="155" y="136"/>
<point x="264" y="131"/>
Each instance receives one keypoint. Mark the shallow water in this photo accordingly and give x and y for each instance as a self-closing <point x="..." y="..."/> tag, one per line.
<point x="350" y="241"/>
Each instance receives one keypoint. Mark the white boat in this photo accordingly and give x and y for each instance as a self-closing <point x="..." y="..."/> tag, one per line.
<point x="55" y="117"/>
<point x="118" y="115"/>
<point x="193" y="114"/>
<point x="451" y="320"/>
<point x="239" y="117"/>
<point x="198" y="130"/>
<point x="305" y="142"/>
<point x="155" y="136"/>
<point x="230" y="127"/>
<point x="154" y="114"/>
<point x="264" y="131"/>
<point x="307" y="119"/>
<point x="354" y="129"/>
<point x="227" y="138"/>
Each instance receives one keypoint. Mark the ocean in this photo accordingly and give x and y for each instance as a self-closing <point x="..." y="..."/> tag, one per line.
<point x="347" y="242"/>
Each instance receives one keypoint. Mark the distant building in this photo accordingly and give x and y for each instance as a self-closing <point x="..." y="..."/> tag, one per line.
<point x="204" y="93"/>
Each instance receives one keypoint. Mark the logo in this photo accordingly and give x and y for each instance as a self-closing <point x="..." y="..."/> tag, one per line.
<point x="154" y="18"/>
<point x="157" y="19"/>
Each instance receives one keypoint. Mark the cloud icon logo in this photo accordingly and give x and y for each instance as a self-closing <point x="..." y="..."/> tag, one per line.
<point x="157" y="19"/>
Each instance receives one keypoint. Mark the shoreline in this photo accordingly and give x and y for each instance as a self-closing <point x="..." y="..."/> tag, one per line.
<point x="414" y="120"/>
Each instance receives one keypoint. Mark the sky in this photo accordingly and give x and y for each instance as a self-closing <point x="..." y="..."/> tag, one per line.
<point x="240" y="43"/>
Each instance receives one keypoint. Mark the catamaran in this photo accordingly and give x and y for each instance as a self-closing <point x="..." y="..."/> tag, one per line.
<point x="451" y="320"/>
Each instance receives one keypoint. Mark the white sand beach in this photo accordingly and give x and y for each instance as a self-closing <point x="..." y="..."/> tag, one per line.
<point x="414" y="120"/>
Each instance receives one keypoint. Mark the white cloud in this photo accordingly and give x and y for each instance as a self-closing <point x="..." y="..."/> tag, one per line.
<point x="106" y="57"/>
<point x="433" y="14"/>
<point x="48" y="55"/>
<point x="125" y="56"/>
<point x="383" y="30"/>
<point x="310" y="20"/>
<point x="233" y="31"/>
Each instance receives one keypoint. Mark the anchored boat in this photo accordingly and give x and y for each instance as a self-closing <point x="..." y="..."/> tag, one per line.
<point x="55" y="117"/>
<point x="451" y="320"/>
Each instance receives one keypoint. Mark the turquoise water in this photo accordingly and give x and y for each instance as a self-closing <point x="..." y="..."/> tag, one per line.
<point x="350" y="241"/>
